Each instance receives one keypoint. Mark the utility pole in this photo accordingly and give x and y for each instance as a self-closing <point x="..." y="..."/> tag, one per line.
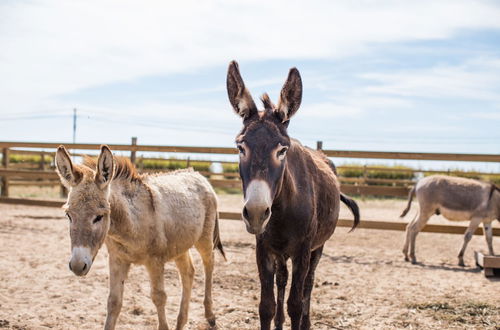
<point x="74" y="125"/>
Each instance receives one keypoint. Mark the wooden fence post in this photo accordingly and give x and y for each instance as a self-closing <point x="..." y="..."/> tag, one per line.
<point x="5" y="179"/>
<point x="132" y="152"/>
<point x="319" y="145"/>
<point x="42" y="161"/>
<point x="64" y="191"/>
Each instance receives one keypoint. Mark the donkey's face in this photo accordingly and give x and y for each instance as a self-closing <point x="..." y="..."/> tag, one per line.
<point x="263" y="143"/>
<point x="87" y="207"/>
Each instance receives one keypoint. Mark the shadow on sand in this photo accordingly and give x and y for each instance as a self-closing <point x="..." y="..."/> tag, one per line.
<point x="401" y="264"/>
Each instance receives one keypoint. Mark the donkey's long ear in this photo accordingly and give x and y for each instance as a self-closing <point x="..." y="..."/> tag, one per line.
<point x="239" y="96"/>
<point x="290" y="96"/>
<point x="69" y="175"/>
<point x="105" y="168"/>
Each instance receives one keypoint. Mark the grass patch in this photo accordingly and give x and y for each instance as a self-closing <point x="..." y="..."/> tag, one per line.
<point x="469" y="313"/>
<point x="176" y="164"/>
<point x="32" y="159"/>
<point x="376" y="174"/>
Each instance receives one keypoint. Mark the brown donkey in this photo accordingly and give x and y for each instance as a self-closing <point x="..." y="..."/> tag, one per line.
<point x="143" y="219"/>
<point x="291" y="198"/>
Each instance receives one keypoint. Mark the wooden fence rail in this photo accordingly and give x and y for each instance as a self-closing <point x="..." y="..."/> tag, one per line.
<point x="226" y="150"/>
<point x="364" y="224"/>
<point x="361" y="186"/>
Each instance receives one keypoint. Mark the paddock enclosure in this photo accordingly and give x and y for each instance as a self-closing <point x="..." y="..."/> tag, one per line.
<point x="362" y="281"/>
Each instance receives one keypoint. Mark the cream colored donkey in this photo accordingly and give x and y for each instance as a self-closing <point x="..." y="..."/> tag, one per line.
<point x="143" y="219"/>
<point x="456" y="199"/>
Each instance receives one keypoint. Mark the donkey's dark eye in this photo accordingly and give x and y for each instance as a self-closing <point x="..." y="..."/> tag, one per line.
<point x="241" y="149"/>
<point x="69" y="217"/>
<point x="282" y="152"/>
<point x="97" y="219"/>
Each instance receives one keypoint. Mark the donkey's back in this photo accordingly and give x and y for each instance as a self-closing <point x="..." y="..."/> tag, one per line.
<point x="447" y="193"/>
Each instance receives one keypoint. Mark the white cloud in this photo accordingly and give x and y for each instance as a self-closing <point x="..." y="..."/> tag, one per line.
<point x="52" y="47"/>
<point x="352" y="106"/>
<point x="477" y="79"/>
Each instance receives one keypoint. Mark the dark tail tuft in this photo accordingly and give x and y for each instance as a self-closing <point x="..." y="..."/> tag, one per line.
<point x="217" y="241"/>
<point x="411" y="194"/>
<point x="351" y="204"/>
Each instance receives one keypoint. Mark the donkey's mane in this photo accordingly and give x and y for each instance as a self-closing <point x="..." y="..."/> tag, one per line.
<point x="268" y="104"/>
<point x="124" y="169"/>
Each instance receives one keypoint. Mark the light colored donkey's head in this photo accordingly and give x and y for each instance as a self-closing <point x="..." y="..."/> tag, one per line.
<point x="87" y="207"/>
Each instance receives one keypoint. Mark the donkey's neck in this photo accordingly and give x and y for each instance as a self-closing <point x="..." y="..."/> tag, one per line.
<point x="288" y="189"/>
<point x="126" y="201"/>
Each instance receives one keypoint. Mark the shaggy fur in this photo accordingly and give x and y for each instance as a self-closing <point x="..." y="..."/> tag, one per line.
<point x="292" y="199"/>
<point x="142" y="219"/>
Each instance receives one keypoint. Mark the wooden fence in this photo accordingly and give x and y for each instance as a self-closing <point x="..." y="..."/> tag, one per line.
<point x="41" y="174"/>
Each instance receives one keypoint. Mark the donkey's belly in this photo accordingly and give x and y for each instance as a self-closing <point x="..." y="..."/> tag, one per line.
<point x="181" y="236"/>
<point x="325" y="231"/>
<point x="455" y="215"/>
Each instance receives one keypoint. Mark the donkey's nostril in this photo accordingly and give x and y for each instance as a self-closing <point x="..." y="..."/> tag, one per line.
<point x="266" y="213"/>
<point x="69" y="264"/>
<point x="245" y="213"/>
<point x="84" y="266"/>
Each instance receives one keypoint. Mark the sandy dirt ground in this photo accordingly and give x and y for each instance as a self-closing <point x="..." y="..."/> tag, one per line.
<point x="362" y="281"/>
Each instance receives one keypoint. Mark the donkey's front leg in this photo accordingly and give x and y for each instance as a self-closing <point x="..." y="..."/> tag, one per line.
<point x="474" y="223"/>
<point x="281" y="279"/>
<point x="300" y="268"/>
<point x="265" y="264"/>
<point x="488" y="235"/>
<point x="118" y="271"/>
<point x="158" y="295"/>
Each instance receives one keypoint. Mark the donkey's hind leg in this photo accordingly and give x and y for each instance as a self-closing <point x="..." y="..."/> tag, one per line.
<point x="185" y="266"/>
<point x="308" y="286"/>
<point x="206" y="249"/>
<point x="412" y="230"/>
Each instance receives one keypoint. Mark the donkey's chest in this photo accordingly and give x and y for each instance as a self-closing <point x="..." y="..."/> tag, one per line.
<point x="288" y="235"/>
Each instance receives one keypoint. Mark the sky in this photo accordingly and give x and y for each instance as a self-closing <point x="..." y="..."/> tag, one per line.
<point x="420" y="76"/>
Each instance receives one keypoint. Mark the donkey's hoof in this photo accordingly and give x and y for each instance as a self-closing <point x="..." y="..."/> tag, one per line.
<point x="407" y="259"/>
<point x="461" y="263"/>
<point x="414" y="261"/>
<point x="212" y="323"/>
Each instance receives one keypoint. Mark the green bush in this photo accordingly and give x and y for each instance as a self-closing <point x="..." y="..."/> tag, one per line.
<point x="173" y="164"/>
<point x="230" y="168"/>
<point x="356" y="172"/>
<point x="493" y="178"/>
<point x="16" y="159"/>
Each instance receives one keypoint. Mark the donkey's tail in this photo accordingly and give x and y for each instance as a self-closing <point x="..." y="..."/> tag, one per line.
<point x="217" y="242"/>
<point x="411" y="194"/>
<point x="351" y="204"/>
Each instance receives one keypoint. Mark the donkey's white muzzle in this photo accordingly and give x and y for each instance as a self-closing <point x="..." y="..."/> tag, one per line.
<point x="257" y="208"/>
<point x="81" y="260"/>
